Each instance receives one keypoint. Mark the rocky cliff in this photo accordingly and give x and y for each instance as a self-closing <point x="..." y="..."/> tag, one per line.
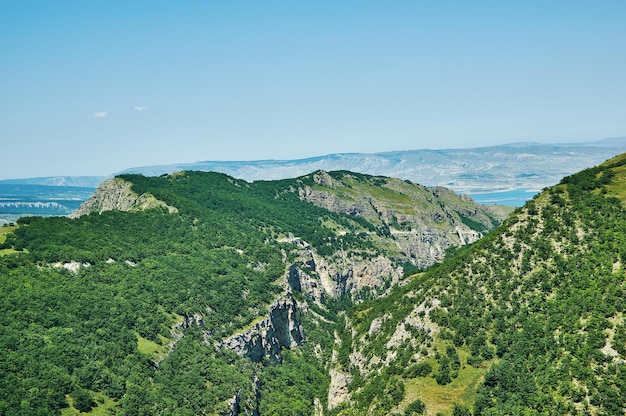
<point x="417" y="223"/>
<point x="343" y="273"/>
<point x="117" y="194"/>
<point x="281" y="328"/>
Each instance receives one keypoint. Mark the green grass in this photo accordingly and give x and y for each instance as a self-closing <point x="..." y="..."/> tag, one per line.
<point x="4" y="230"/>
<point x="104" y="406"/>
<point x="441" y="399"/>
<point x="404" y="204"/>
<point x="333" y="225"/>
<point x="254" y="322"/>
<point x="617" y="187"/>
<point x="151" y="348"/>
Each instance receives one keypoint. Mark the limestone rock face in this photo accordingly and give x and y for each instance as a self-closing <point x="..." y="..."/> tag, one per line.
<point x="421" y="222"/>
<point x="347" y="276"/>
<point x="317" y="276"/>
<point x="281" y="328"/>
<point x="117" y="194"/>
<point x="338" y="390"/>
<point x="332" y="202"/>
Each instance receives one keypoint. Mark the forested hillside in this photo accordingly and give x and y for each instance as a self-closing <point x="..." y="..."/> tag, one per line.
<point x="197" y="293"/>
<point x="529" y="320"/>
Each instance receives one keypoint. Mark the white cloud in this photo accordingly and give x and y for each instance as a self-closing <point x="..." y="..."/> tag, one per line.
<point x="140" y="108"/>
<point x="98" y="114"/>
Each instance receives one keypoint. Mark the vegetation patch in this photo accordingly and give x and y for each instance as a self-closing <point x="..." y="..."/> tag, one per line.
<point x="474" y="225"/>
<point x="441" y="398"/>
<point x="4" y="231"/>
<point x="617" y="187"/>
<point x="151" y="348"/>
<point x="102" y="405"/>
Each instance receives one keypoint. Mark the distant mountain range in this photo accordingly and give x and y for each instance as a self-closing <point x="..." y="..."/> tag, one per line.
<point x="506" y="174"/>
<point x="70" y="181"/>
<point x="473" y="170"/>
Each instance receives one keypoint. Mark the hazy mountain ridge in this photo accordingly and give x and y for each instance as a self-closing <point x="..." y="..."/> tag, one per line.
<point x="485" y="169"/>
<point x="68" y="181"/>
<point x="486" y="173"/>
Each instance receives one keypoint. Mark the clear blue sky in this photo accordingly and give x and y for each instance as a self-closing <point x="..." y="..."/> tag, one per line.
<point x="94" y="87"/>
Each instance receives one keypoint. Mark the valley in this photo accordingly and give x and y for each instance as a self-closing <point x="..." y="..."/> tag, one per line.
<point x="320" y="208"/>
<point x="332" y="293"/>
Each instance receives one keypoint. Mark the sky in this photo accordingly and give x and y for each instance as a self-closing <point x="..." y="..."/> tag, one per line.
<point x="95" y="87"/>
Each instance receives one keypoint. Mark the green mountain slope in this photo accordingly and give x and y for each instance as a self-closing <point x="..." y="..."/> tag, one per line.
<point x="422" y="222"/>
<point x="197" y="293"/>
<point x="529" y="320"/>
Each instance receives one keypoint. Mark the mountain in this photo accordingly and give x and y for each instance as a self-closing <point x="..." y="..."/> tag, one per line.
<point x="200" y="293"/>
<point x="507" y="175"/>
<point x="62" y="181"/>
<point x="528" y="166"/>
<point x="529" y="320"/>
<point x="158" y="287"/>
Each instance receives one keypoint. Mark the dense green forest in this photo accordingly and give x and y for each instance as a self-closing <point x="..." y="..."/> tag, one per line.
<point x="123" y="312"/>
<point x="126" y="312"/>
<point x="100" y="334"/>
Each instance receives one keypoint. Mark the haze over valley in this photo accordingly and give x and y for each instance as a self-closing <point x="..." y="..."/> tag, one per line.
<point x="507" y="174"/>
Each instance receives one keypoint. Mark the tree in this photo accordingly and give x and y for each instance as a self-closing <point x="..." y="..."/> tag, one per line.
<point x="82" y="400"/>
<point x="461" y="410"/>
<point x="415" y="408"/>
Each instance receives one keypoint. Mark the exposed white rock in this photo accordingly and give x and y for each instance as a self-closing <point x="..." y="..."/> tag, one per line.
<point x="416" y="321"/>
<point x="342" y="274"/>
<point x="117" y="194"/>
<point x="73" y="266"/>
<point x="318" y="409"/>
<point x="281" y="328"/>
<point x="338" y="390"/>
<point x="177" y="330"/>
<point x="376" y="324"/>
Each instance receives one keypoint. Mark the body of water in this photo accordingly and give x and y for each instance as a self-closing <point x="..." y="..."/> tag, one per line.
<point x="514" y="198"/>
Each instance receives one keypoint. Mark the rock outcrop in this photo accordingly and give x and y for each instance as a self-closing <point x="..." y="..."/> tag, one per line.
<point x="250" y="405"/>
<point x="338" y="390"/>
<point x="344" y="273"/>
<point x="281" y="328"/>
<point x="422" y="222"/>
<point x="117" y="194"/>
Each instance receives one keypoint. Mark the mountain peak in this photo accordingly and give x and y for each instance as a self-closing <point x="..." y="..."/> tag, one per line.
<point x="116" y="194"/>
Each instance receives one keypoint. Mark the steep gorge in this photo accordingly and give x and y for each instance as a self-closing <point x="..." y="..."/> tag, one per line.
<point x="200" y="279"/>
